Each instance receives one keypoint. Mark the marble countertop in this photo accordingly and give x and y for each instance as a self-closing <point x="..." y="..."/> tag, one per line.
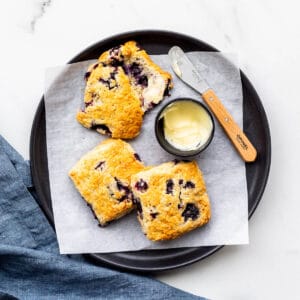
<point x="265" y="34"/>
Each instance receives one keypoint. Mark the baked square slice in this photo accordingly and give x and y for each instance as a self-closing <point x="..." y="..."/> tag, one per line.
<point x="102" y="177"/>
<point x="111" y="107"/>
<point x="171" y="199"/>
<point x="120" y="88"/>
<point x="147" y="79"/>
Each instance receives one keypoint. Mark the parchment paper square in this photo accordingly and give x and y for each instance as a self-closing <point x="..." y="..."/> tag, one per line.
<point x="67" y="141"/>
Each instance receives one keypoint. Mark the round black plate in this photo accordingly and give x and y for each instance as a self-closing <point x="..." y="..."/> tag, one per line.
<point x="255" y="125"/>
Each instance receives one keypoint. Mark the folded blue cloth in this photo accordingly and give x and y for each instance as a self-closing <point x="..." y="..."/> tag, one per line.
<point x="30" y="264"/>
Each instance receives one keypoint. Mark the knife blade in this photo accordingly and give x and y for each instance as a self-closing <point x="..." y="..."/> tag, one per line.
<point x="187" y="72"/>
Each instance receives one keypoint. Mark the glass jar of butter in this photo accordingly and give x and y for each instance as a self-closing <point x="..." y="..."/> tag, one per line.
<point x="184" y="127"/>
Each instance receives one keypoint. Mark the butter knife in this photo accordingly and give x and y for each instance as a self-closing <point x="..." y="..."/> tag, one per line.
<point x="186" y="71"/>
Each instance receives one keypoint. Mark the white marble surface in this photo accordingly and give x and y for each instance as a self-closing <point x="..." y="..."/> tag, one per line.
<point x="264" y="33"/>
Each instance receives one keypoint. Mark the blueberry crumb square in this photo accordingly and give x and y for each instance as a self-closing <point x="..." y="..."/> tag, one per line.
<point x="171" y="199"/>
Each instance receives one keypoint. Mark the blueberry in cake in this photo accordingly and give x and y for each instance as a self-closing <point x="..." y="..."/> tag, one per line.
<point x="123" y="85"/>
<point x="171" y="199"/>
<point x="102" y="177"/>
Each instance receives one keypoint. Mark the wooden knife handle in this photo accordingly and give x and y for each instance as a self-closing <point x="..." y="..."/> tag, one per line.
<point x="234" y="132"/>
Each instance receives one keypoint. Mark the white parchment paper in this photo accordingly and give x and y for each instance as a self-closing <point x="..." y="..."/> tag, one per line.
<point x="67" y="141"/>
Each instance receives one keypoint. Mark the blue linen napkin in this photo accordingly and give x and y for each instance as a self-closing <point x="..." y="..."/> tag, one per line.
<point x="30" y="264"/>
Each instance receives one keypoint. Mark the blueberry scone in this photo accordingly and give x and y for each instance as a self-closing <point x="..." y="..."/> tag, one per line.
<point x="102" y="177"/>
<point x="171" y="199"/>
<point x="120" y="88"/>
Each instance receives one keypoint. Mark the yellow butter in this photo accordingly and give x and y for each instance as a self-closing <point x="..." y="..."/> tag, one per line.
<point x="187" y="125"/>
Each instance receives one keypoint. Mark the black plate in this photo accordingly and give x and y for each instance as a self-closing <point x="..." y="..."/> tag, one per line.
<point x="255" y="125"/>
